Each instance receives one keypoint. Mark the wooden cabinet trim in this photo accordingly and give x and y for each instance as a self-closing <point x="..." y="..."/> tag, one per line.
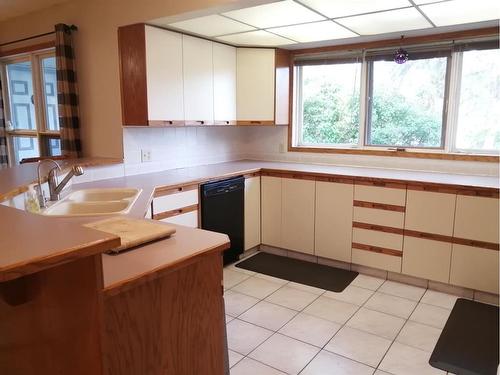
<point x="160" y="192"/>
<point x="376" y="249"/>
<point x="250" y="175"/>
<point x="255" y="122"/>
<point x="166" y="123"/>
<point x="378" y="228"/>
<point x="379" y="183"/>
<point x="428" y="236"/>
<point x="475" y="243"/>
<point x="176" y="212"/>
<point x="379" y="206"/>
<point x="199" y="122"/>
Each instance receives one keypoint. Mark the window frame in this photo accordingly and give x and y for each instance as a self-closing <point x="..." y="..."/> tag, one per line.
<point x="447" y="149"/>
<point x="41" y="133"/>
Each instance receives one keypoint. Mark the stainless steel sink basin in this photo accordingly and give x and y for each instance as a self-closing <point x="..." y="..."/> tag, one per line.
<point x="94" y="202"/>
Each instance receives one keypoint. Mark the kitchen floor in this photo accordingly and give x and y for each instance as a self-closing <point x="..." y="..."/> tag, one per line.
<point x="373" y="327"/>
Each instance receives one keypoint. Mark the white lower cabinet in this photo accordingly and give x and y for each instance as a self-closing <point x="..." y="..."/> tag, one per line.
<point x="252" y="212"/>
<point x="271" y="211"/>
<point x="189" y="219"/>
<point x="376" y="260"/>
<point x="475" y="268"/>
<point x="177" y="206"/>
<point x="298" y="215"/>
<point x="333" y="220"/>
<point x="427" y="259"/>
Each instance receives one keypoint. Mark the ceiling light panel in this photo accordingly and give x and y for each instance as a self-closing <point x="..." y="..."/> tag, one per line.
<point x="462" y="11"/>
<point x="212" y="26"/>
<point x="281" y="13"/>
<point x="342" y="8"/>
<point x="255" y="38"/>
<point x="312" y="32"/>
<point x="386" y="22"/>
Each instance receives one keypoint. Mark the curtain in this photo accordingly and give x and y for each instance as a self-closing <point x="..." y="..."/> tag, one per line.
<point x="4" y="156"/>
<point x="67" y="92"/>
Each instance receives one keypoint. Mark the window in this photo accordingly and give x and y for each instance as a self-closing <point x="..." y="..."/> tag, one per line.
<point x="329" y="113"/>
<point x="30" y="92"/>
<point x="444" y="99"/>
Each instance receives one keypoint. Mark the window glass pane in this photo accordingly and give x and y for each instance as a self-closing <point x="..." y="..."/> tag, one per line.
<point x="330" y="104"/>
<point x="21" y="100"/>
<point x="25" y="147"/>
<point x="53" y="146"/>
<point x="50" y="92"/>
<point x="406" y="108"/>
<point x="478" y="125"/>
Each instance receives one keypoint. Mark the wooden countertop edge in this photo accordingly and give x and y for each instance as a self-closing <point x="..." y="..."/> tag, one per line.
<point x="124" y="285"/>
<point x="33" y="265"/>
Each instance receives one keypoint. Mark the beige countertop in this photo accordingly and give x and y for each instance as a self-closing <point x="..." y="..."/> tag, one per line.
<point x="149" y="259"/>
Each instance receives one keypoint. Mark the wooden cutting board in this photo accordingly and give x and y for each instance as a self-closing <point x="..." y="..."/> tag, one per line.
<point x="132" y="232"/>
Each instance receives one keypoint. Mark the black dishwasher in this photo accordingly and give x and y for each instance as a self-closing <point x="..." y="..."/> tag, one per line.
<point x="222" y="206"/>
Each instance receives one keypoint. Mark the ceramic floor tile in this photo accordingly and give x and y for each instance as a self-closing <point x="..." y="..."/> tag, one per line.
<point x="234" y="358"/>
<point x="237" y="303"/>
<point x="285" y="353"/>
<point x="430" y="315"/>
<point x="351" y="294"/>
<point x="419" y="336"/>
<point x="257" y="287"/>
<point x="243" y="337"/>
<point x="228" y="318"/>
<point x="268" y="315"/>
<point x="292" y="298"/>
<point x="389" y="304"/>
<point x="431" y="297"/>
<point x="359" y="346"/>
<point x="306" y="288"/>
<point x="330" y="309"/>
<point x="367" y="282"/>
<point x="271" y="278"/>
<point x="404" y="360"/>
<point x="249" y="366"/>
<point x="231" y="278"/>
<point x="380" y="372"/>
<point x="310" y="329"/>
<point x="377" y="323"/>
<point x="233" y="267"/>
<point x="402" y="290"/>
<point x="326" y="363"/>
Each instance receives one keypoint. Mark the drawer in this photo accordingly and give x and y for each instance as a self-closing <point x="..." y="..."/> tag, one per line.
<point x="474" y="268"/>
<point x="386" y="218"/>
<point x="430" y="212"/>
<point x="376" y="238"/>
<point x="427" y="259"/>
<point x="174" y="201"/>
<point x="189" y="219"/>
<point x="377" y="194"/>
<point x="476" y="218"/>
<point x="381" y="261"/>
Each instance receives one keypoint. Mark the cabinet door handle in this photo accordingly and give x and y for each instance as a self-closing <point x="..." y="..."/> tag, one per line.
<point x="201" y="122"/>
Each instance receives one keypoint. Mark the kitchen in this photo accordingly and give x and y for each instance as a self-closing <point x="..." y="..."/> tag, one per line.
<point x="332" y="144"/>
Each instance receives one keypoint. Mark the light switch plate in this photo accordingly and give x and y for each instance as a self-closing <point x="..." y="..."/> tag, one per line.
<point x="145" y="156"/>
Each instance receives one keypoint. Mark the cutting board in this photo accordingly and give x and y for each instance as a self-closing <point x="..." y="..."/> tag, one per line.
<point x="132" y="232"/>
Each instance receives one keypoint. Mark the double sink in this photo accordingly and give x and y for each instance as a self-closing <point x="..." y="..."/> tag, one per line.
<point x="95" y="202"/>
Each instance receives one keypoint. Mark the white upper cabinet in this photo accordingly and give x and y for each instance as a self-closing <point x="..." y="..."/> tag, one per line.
<point x="164" y="75"/>
<point x="224" y="59"/>
<point x="255" y="85"/>
<point x="198" y="81"/>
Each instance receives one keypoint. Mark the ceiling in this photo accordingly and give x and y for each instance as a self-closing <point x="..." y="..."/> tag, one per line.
<point x="296" y="23"/>
<point x="14" y="8"/>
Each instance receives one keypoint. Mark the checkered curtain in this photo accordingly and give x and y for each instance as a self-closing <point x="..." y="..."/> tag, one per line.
<point x="67" y="93"/>
<point x="4" y="156"/>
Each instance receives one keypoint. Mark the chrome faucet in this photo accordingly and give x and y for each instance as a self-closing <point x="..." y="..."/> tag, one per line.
<point x="55" y="188"/>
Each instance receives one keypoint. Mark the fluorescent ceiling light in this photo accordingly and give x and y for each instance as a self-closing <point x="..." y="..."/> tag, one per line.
<point x="312" y="32"/>
<point x="281" y="13"/>
<point x="462" y="11"/>
<point x="342" y="8"/>
<point x="386" y="22"/>
<point x="255" y="38"/>
<point x="212" y="25"/>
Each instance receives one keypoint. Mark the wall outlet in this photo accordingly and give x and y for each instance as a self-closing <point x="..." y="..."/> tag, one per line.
<point x="145" y="156"/>
<point x="281" y="148"/>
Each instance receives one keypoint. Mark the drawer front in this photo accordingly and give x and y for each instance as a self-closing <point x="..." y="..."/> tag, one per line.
<point x="430" y="212"/>
<point x="376" y="260"/>
<point x="386" y="218"/>
<point x="427" y="259"/>
<point x="476" y="218"/>
<point x="189" y="219"/>
<point x="378" y="194"/>
<point x="175" y="201"/>
<point x="377" y="238"/>
<point x="475" y="268"/>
